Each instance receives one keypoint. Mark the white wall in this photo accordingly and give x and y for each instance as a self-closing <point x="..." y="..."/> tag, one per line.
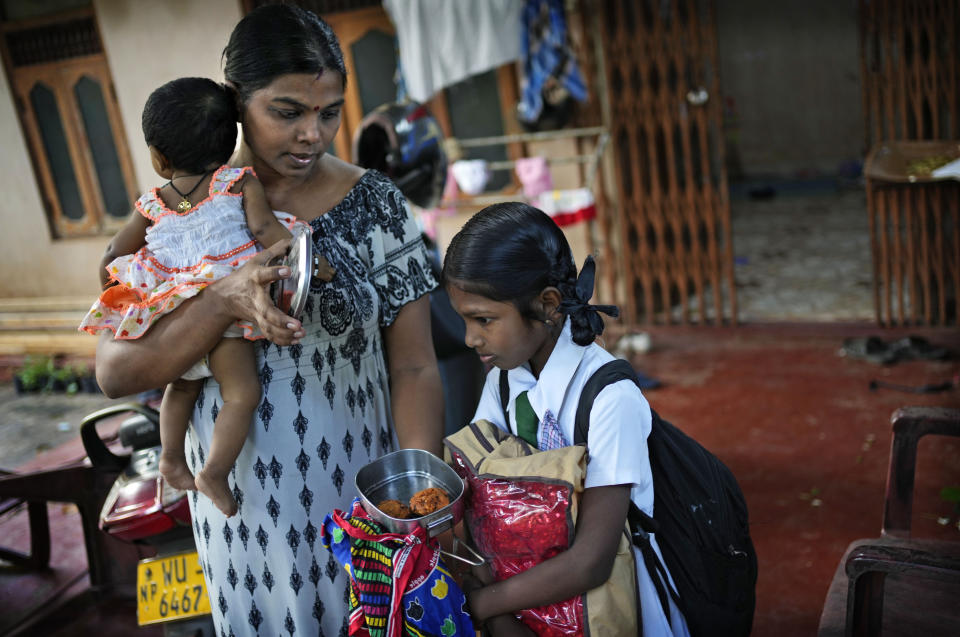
<point x="147" y="43"/>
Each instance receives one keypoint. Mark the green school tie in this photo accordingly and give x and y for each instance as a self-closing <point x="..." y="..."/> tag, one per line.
<point x="527" y="421"/>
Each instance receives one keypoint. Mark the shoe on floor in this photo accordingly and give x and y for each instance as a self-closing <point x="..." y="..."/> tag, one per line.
<point x="917" y="348"/>
<point x="875" y="350"/>
<point x="869" y="348"/>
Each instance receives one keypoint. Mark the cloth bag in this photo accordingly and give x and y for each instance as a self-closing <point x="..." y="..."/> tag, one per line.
<point x="521" y="509"/>
<point x="398" y="583"/>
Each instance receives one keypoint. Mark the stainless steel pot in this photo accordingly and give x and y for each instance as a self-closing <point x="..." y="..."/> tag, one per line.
<point x="399" y="475"/>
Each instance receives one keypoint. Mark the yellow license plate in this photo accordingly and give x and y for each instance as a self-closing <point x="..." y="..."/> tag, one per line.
<point x="170" y="588"/>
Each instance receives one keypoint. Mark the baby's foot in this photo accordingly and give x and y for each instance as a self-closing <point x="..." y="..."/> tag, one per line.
<point x="218" y="491"/>
<point x="176" y="473"/>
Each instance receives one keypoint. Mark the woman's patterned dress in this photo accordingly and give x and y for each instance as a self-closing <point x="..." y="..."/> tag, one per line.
<point x="325" y="413"/>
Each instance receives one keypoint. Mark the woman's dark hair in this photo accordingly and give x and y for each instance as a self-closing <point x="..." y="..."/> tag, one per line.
<point x="510" y="252"/>
<point x="193" y="122"/>
<point x="277" y="39"/>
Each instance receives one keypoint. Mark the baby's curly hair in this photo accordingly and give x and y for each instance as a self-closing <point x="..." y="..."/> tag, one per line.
<point x="193" y="122"/>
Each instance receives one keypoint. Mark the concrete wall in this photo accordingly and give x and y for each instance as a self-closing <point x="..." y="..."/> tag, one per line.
<point x="147" y="43"/>
<point x="32" y="263"/>
<point x="790" y="75"/>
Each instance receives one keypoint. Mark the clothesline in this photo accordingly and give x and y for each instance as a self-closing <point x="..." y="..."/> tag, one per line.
<point x="531" y="137"/>
<point x="573" y="159"/>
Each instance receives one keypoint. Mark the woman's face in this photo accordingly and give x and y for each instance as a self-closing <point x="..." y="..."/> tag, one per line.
<point x="289" y="124"/>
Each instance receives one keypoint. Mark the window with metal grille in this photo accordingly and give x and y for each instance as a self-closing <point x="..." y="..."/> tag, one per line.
<point x="61" y="81"/>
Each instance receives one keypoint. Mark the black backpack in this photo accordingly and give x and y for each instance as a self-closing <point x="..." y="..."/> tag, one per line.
<point x="701" y="521"/>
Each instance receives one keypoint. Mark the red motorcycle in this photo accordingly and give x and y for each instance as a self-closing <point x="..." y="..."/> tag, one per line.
<point x="140" y="552"/>
<point x="142" y="509"/>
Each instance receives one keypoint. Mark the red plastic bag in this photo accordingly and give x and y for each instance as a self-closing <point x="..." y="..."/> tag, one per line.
<point x="521" y="508"/>
<point x="520" y="524"/>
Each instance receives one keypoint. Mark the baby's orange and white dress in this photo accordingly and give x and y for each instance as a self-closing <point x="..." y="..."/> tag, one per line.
<point x="184" y="252"/>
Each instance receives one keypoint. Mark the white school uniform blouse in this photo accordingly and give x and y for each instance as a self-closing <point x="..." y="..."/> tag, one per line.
<point x="620" y="422"/>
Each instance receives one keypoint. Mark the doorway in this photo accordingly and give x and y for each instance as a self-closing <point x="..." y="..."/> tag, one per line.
<point x="794" y="133"/>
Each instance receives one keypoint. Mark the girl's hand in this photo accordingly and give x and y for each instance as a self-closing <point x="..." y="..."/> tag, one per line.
<point x="244" y="295"/>
<point x="483" y="574"/>
<point x="470" y="583"/>
<point x="507" y="626"/>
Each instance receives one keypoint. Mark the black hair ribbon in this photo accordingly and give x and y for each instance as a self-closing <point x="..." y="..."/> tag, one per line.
<point x="579" y="305"/>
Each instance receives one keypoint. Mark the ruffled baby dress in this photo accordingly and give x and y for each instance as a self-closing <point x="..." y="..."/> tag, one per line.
<point x="184" y="252"/>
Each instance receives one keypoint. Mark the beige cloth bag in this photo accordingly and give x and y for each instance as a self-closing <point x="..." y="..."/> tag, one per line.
<point x="483" y="452"/>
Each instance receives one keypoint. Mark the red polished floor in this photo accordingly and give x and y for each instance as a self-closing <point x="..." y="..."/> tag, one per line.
<point x="808" y="441"/>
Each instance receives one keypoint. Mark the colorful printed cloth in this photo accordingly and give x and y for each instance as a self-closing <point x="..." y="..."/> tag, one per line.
<point x="398" y="585"/>
<point x="184" y="253"/>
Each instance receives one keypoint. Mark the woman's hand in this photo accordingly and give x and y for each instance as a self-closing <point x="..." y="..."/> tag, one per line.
<point x="244" y="295"/>
<point x="180" y="339"/>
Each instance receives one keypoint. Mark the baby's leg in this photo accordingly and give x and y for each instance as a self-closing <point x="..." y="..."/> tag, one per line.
<point x="175" y="409"/>
<point x="233" y="364"/>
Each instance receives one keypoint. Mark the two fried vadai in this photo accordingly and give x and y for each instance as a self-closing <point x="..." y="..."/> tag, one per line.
<point x="422" y="503"/>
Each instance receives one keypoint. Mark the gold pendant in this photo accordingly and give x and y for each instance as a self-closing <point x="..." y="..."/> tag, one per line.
<point x="184" y="205"/>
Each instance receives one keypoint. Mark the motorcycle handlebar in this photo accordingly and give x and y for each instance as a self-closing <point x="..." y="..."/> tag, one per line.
<point x="100" y="456"/>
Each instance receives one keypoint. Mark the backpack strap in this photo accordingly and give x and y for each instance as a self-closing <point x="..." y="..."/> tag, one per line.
<point x="505" y="396"/>
<point x="612" y="372"/>
<point x="641" y="524"/>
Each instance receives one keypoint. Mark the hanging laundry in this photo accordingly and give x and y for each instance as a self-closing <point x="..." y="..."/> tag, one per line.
<point x="552" y="78"/>
<point x="567" y="207"/>
<point x="429" y="216"/>
<point x="472" y="175"/>
<point x="445" y="41"/>
<point x="534" y="175"/>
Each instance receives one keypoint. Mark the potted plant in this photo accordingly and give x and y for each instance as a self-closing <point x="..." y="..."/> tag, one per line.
<point x="34" y="375"/>
<point x="85" y="379"/>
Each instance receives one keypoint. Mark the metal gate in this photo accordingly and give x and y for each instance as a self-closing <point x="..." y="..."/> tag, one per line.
<point x="674" y="255"/>
<point x="911" y="98"/>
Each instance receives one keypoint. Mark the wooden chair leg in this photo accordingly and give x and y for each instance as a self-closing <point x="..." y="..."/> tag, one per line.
<point x="39" y="556"/>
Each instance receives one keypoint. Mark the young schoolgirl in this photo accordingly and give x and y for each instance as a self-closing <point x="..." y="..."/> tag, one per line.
<point x="510" y="274"/>
<point x="203" y="223"/>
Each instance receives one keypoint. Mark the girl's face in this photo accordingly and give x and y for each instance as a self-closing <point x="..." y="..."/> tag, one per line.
<point x="289" y="124"/>
<point x="499" y="333"/>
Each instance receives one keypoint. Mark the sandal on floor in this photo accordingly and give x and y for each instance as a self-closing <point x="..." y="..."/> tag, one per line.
<point x="917" y="348"/>
<point x="876" y="350"/>
<point x="868" y="348"/>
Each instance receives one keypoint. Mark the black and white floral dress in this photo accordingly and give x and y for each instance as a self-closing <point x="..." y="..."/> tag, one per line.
<point x="325" y="412"/>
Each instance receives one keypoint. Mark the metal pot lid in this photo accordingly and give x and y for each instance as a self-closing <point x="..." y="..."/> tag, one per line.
<point x="290" y="294"/>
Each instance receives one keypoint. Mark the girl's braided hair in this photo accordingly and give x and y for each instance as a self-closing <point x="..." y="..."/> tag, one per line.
<point x="510" y="252"/>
